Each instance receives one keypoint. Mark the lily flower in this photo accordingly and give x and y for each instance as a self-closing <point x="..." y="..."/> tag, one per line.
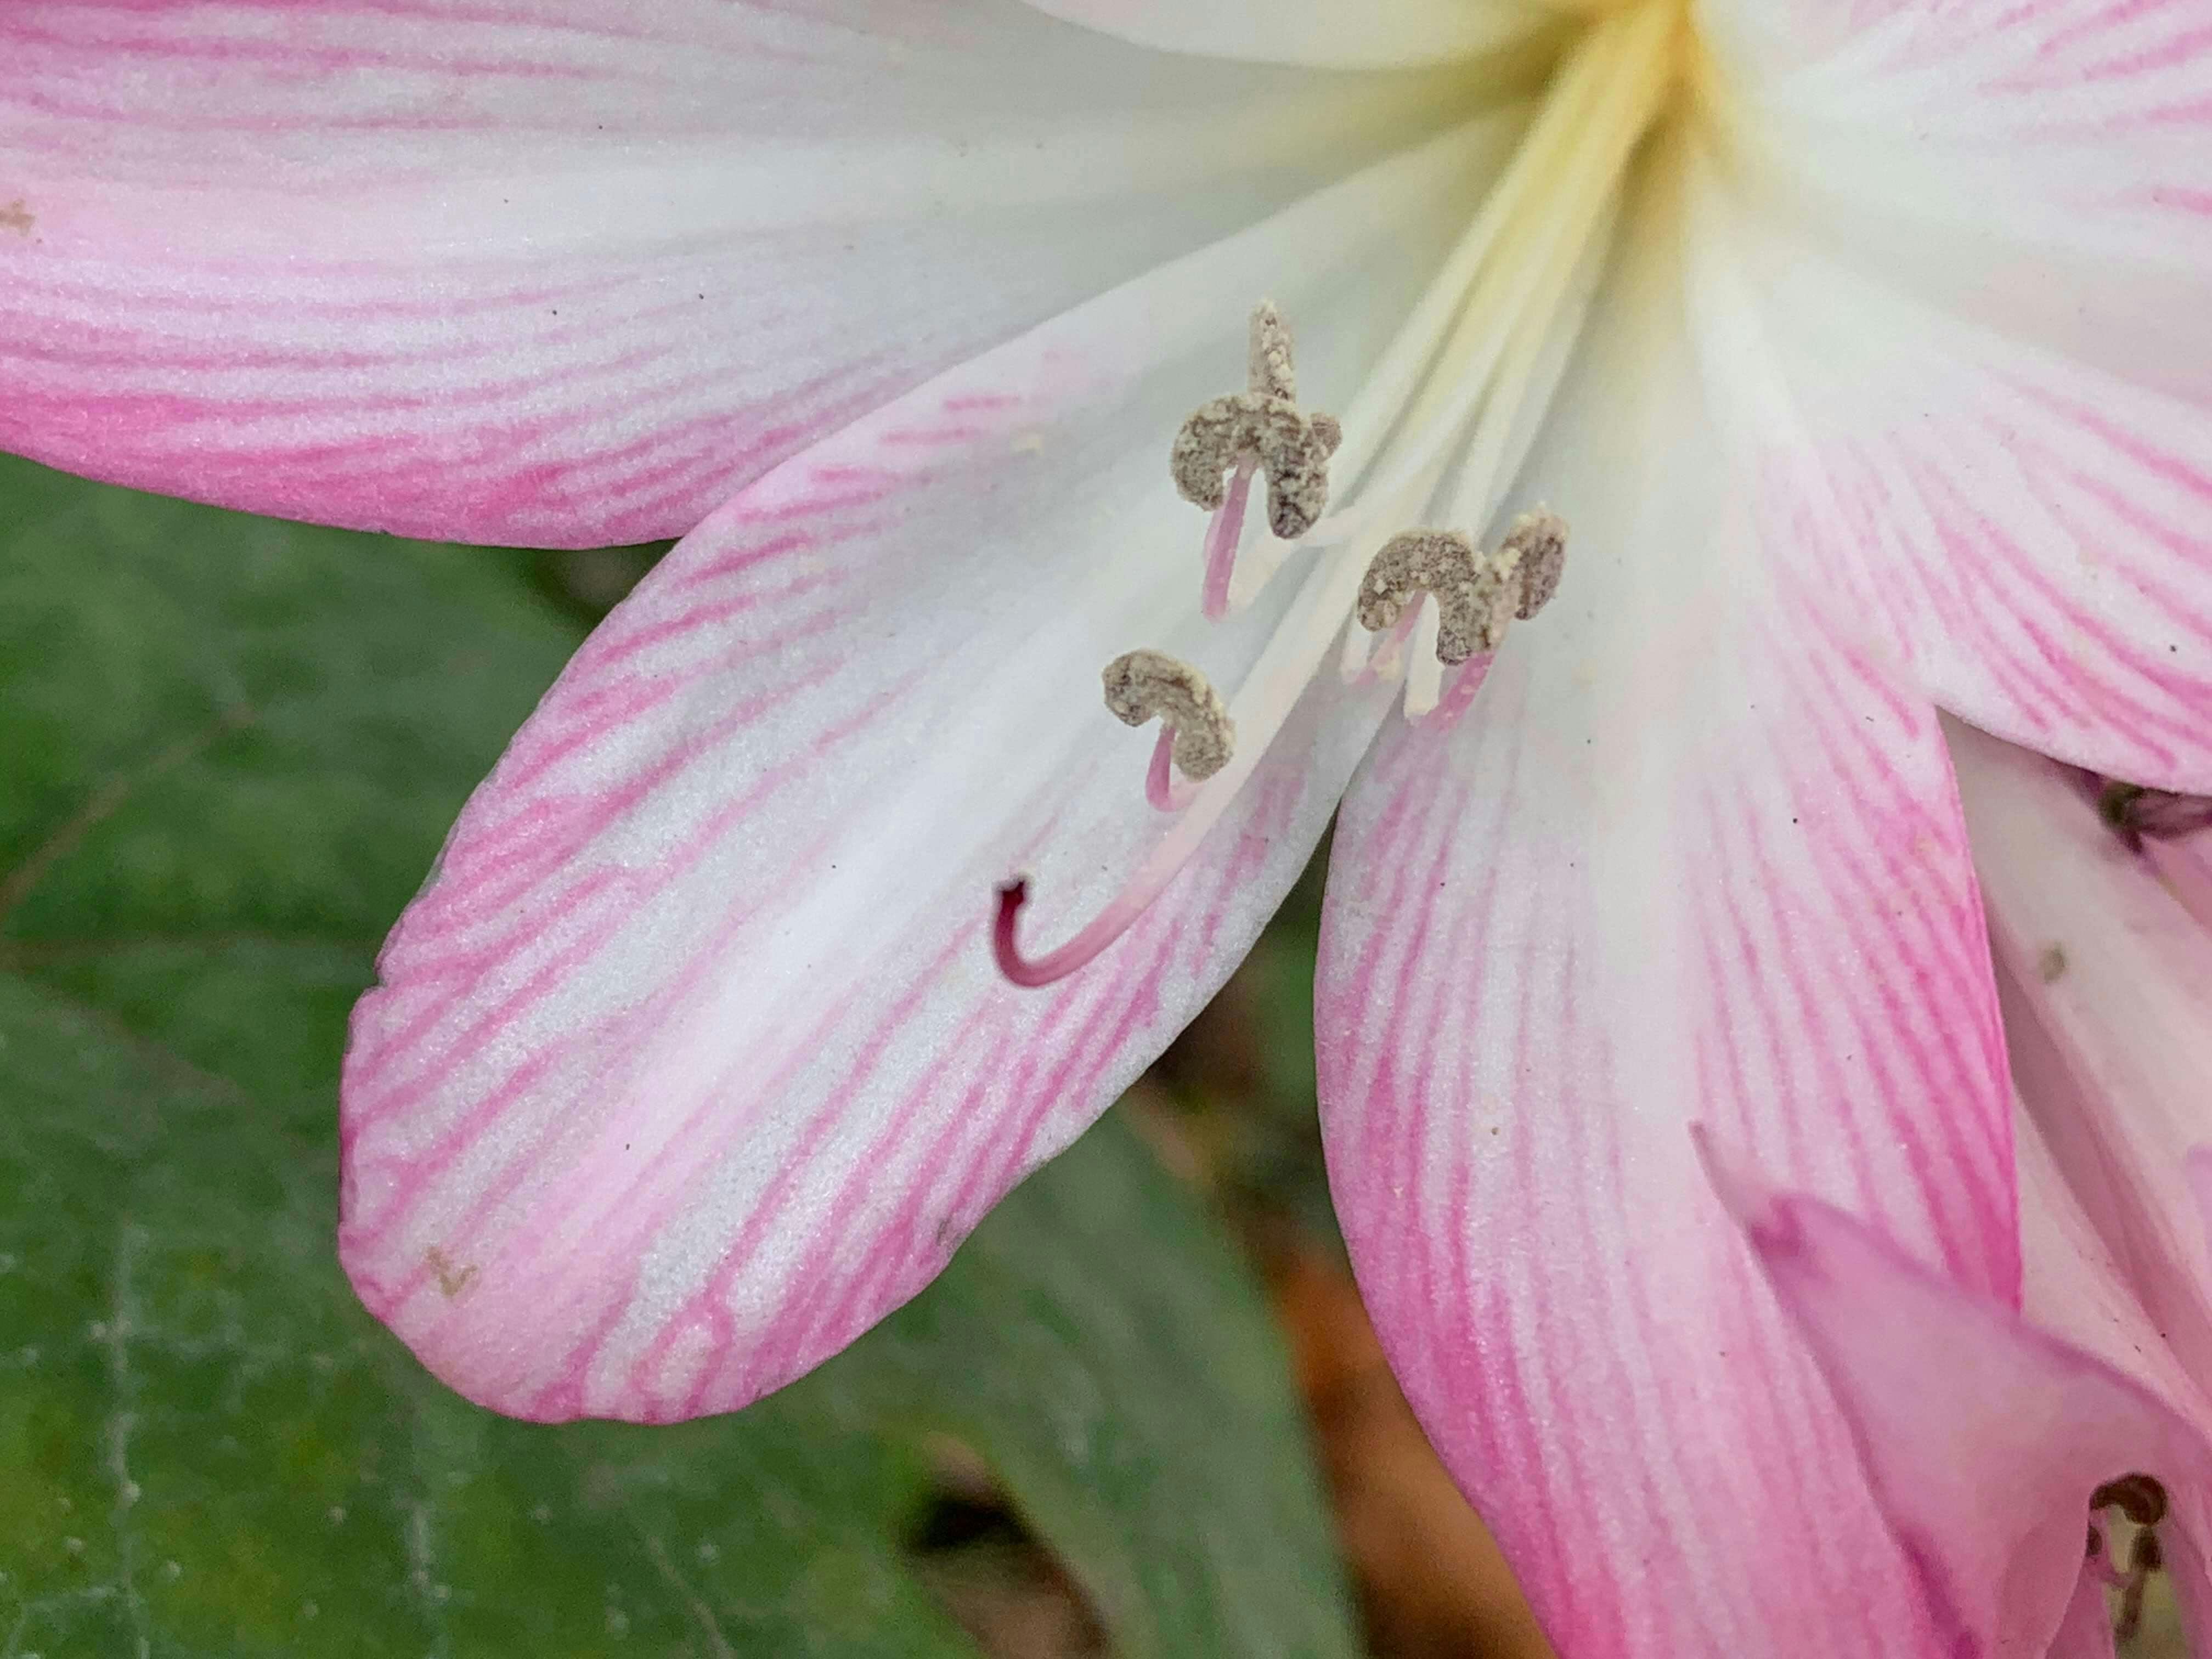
<point x="1860" y="350"/>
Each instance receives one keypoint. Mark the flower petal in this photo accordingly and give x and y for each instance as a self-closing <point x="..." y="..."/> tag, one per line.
<point x="1984" y="1437"/>
<point x="1694" y="853"/>
<point x="550" y="273"/>
<point x="2184" y="865"/>
<point x="2073" y="1287"/>
<point x="692" y="1058"/>
<point x="1375" y="34"/>
<point x="2032" y="526"/>
<point x="2085" y="1629"/>
<point x="2108" y="1006"/>
<point x="2047" y="166"/>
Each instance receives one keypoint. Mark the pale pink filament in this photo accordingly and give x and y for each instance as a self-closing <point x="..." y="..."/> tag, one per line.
<point x="1224" y="533"/>
<point x="1161" y="788"/>
<point x="1391" y="646"/>
<point x="1459" y="695"/>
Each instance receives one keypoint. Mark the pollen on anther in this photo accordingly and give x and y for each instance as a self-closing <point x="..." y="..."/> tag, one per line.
<point x="1261" y="426"/>
<point x="1144" y="685"/>
<point x="1538" y="544"/>
<point x="1477" y="595"/>
<point x="1474" y="599"/>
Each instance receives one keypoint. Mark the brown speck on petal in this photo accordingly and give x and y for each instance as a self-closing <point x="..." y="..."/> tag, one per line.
<point x="452" y="1281"/>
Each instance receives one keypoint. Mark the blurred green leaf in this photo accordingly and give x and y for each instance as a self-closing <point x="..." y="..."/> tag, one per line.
<point x="233" y="746"/>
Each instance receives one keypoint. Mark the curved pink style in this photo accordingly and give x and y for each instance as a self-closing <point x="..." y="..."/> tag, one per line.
<point x="1033" y="972"/>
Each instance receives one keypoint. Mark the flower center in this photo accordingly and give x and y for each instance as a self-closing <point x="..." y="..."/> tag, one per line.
<point x="1458" y="394"/>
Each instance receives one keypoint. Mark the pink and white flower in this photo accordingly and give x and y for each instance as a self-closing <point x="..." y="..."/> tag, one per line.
<point x="1863" y="343"/>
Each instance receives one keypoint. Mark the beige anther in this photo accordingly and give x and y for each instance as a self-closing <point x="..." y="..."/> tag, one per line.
<point x="1263" y="424"/>
<point x="1269" y="369"/>
<point x="1537" y="544"/>
<point x="1477" y="594"/>
<point x="1141" y="686"/>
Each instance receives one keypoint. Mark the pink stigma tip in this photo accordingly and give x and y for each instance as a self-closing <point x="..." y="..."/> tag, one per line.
<point x="1013" y="895"/>
<point x="1031" y="972"/>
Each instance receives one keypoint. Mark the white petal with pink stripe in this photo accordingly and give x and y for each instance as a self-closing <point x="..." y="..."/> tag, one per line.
<point x="1692" y="854"/>
<point x="553" y="272"/>
<point x="691" y="1059"/>
<point x="2108" y="995"/>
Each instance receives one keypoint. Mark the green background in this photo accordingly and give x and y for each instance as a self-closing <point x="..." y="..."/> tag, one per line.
<point x="232" y="748"/>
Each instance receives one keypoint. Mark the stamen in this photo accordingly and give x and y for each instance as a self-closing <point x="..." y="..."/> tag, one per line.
<point x="1268" y="372"/>
<point x="1261" y="425"/>
<point x="1476" y="595"/>
<point x="1459" y="697"/>
<point x="1486" y="344"/>
<point x="1143" y="685"/>
<point x="1425" y="671"/>
<point x="1388" y="661"/>
<point x="1474" y="599"/>
<point x="2146" y="1555"/>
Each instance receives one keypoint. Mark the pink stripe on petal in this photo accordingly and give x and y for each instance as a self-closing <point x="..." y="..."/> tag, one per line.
<point x="1995" y="135"/>
<point x="2028" y="524"/>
